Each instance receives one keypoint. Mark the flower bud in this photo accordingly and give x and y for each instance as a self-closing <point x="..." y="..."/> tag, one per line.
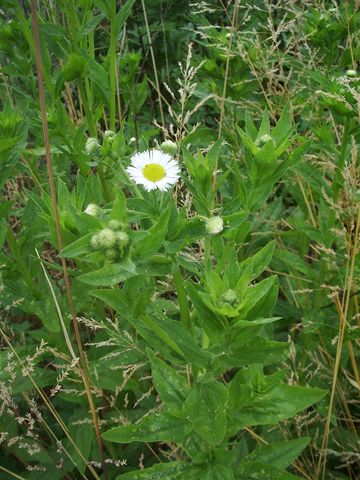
<point x="92" y="146"/>
<point x="106" y="238"/>
<point x="230" y="297"/>
<point x="109" y="134"/>
<point x="132" y="140"/>
<point x="214" y="225"/>
<point x="260" y="142"/>
<point x="122" y="239"/>
<point x="116" y="225"/>
<point x="351" y="73"/>
<point x="93" y="210"/>
<point x="168" y="147"/>
<point x="95" y="242"/>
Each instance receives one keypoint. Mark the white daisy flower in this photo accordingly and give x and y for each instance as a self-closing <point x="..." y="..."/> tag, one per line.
<point x="154" y="169"/>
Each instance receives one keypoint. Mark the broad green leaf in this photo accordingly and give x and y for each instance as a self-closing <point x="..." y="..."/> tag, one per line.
<point x="170" y="385"/>
<point x="166" y="471"/>
<point x="155" y="236"/>
<point x="279" y="454"/>
<point x="283" y="402"/>
<point x="153" y="428"/>
<point x="283" y="127"/>
<point x="256" y="294"/>
<point x="118" y="211"/>
<point x="174" y="334"/>
<point x="213" y="324"/>
<point x="262" y="471"/>
<point x="117" y="300"/>
<point x="110" y="274"/>
<point x="247" y="349"/>
<point x="216" y="471"/>
<point x="205" y="408"/>
<point x="260" y="260"/>
<point x="79" y="247"/>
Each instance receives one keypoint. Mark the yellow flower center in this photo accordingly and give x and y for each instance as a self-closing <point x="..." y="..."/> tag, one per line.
<point x="154" y="172"/>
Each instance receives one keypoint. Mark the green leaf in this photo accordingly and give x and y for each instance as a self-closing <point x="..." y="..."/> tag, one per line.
<point x="155" y="236"/>
<point x="212" y="324"/>
<point x="213" y="155"/>
<point x="260" y="260"/>
<point x="79" y="247"/>
<point x="118" y="211"/>
<point x="279" y="454"/>
<point x="283" y="402"/>
<point x="123" y="14"/>
<point x="257" y="294"/>
<point x="217" y="471"/>
<point x="205" y="408"/>
<point x="165" y="471"/>
<point x="283" y="127"/>
<point x="170" y="385"/>
<point x="153" y="428"/>
<point x="262" y="471"/>
<point x="247" y="349"/>
<point x="174" y="334"/>
<point x="110" y="274"/>
<point x="116" y="299"/>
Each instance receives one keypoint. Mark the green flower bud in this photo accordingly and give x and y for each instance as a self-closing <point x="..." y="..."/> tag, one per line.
<point x="260" y="142"/>
<point x="92" y="146"/>
<point x="230" y="297"/>
<point x="95" y="242"/>
<point x="116" y="225"/>
<point x="93" y="210"/>
<point x="169" y="147"/>
<point x="214" y="225"/>
<point x="122" y="239"/>
<point x="351" y="73"/>
<point x="107" y="238"/>
<point x="109" y="134"/>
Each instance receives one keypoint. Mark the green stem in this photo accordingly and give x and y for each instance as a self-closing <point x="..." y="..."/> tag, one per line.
<point x="112" y="61"/>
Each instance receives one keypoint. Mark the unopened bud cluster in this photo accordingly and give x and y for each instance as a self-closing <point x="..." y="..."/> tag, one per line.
<point x="111" y="240"/>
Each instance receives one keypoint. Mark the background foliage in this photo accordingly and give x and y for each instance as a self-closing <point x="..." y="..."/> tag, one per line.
<point x="187" y="381"/>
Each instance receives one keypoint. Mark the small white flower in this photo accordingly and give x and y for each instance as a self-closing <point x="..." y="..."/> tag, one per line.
<point x="154" y="169"/>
